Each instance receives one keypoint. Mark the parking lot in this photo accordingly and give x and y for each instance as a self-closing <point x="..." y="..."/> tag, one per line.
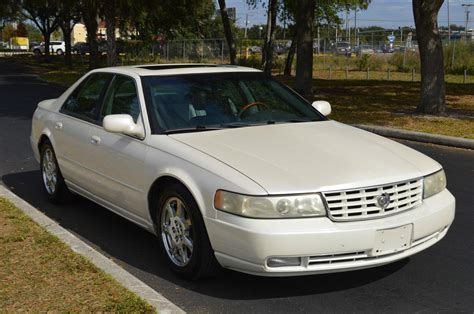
<point x="439" y="279"/>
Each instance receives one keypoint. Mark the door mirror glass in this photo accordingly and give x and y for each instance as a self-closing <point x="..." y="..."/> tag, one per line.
<point x="123" y="123"/>
<point x="322" y="106"/>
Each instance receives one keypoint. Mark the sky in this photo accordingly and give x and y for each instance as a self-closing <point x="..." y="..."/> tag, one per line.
<point x="385" y="13"/>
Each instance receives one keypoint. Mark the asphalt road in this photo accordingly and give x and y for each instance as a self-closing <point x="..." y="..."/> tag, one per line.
<point x="440" y="279"/>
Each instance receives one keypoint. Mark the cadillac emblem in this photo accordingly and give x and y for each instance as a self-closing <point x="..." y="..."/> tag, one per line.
<point x="383" y="200"/>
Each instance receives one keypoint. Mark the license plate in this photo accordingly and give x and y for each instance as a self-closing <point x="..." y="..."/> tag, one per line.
<point x="392" y="240"/>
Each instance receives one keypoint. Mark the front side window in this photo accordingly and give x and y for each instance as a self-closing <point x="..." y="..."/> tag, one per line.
<point x="122" y="98"/>
<point x="219" y="100"/>
<point x="85" y="102"/>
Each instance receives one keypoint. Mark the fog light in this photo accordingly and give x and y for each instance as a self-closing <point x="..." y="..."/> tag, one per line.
<point x="283" y="261"/>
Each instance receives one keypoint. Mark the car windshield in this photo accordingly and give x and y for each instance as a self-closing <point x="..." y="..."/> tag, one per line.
<point x="195" y="102"/>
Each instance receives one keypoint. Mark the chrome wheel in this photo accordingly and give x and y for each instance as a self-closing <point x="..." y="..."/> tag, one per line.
<point x="49" y="171"/>
<point x="176" y="231"/>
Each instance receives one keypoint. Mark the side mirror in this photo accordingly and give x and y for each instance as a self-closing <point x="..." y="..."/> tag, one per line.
<point x="123" y="123"/>
<point x="322" y="106"/>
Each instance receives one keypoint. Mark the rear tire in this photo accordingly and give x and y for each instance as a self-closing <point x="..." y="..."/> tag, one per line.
<point x="182" y="234"/>
<point x="59" y="52"/>
<point x="53" y="181"/>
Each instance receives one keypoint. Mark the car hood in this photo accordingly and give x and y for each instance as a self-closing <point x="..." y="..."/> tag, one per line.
<point x="313" y="156"/>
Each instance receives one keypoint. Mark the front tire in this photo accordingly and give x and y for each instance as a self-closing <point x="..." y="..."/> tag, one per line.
<point x="53" y="181"/>
<point x="183" y="236"/>
<point x="59" y="52"/>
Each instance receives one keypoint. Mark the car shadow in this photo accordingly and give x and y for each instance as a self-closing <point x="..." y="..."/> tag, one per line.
<point x="138" y="251"/>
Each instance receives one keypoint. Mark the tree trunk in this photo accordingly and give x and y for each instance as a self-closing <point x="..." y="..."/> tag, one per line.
<point x="267" y="55"/>
<point x="89" y="15"/>
<point x="228" y="32"/>
<point x="110" y="16"/>
<point x="67" y="29"/>
<point x="47" y="49"/>
<point x="431" y="56"/>
<point x="290" y="57"/>
<point x="304" y="46"/>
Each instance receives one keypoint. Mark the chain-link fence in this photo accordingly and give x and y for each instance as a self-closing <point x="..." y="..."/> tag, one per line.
<point x="338" y="54"/>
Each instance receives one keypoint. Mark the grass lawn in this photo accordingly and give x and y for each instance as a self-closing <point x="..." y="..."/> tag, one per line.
<point x="392" y="104"/>
<point x="39" y="273"/>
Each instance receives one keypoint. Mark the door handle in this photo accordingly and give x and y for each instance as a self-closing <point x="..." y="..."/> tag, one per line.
<point x="95" y="140"/>
<point x="58" y="125"/>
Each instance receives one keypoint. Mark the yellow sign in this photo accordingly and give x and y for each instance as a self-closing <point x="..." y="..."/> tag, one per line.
<point x="20" y="41"/>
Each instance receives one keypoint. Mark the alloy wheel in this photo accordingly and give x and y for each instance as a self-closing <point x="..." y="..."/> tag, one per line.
<point x="49" y="171"/>
<point x="176" y="231"/>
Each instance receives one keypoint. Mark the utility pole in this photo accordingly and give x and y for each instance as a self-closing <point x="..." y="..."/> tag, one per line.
<point x="449" y="25"/>
<point x="347" y="22"/>
<point x="246" y="24"/>
<point x="319" y="39"/>
<point x="355" y="27"/>
<point x="466" y="8"/>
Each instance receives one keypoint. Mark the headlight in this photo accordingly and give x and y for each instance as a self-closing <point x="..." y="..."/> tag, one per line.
<point x="307" y="205"/>
<point x="434" y="183"/>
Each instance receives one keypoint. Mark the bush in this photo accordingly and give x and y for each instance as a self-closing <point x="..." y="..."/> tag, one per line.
<point x="362" y="62"/>
<point x="412" y="60"/>
<point x="463" y="58"/>
<point x="252" y="61"/>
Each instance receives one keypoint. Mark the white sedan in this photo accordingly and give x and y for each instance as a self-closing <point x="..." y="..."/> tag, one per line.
<point x="231" y="168"/>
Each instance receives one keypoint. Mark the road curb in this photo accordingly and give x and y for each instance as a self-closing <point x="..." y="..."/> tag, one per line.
<point x="102" y="262"/>
<point x="419" y="136"/>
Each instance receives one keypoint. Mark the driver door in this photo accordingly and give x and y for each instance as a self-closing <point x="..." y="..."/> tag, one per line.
<point x="119" y="158"/>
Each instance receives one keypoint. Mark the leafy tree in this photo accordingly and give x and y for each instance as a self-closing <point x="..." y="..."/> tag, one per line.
<point x="8" y="31"/>
<point x="433" y="94"/>
<point x="21" y="30"/>
<point x="44" y="14"/>
<point x="33" y="33"/>
<point x="9" y="10"/>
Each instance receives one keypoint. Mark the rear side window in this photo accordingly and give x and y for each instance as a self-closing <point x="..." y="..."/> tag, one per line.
<point x="85" y="102"/>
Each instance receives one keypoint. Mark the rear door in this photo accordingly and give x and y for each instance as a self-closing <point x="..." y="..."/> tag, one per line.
<point x="79" y="113"/>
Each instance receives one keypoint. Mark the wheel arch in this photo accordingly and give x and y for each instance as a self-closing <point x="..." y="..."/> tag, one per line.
<point x="42" y="139"/>
<point x="158" y="185"/>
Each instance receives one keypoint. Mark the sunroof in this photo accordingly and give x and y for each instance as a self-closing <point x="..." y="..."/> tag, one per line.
<point x="174" y="66"/>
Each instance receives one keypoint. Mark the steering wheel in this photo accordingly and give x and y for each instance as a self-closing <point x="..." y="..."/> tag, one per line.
<point x="250" y="105"/>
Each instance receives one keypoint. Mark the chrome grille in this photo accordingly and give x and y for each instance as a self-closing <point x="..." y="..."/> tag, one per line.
<point x="359" y="204"/>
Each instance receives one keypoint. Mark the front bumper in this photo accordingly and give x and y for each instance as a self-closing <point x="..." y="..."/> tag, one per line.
<point x="324" y="246"/>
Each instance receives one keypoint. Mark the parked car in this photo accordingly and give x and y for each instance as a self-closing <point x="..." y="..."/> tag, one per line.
<point x="33" y="44"/>
<point x="57" y="47"/>
<point x="364" y="50"/>
<point x="280" y="48"/>
<point x="83" y="48"/>
<point x="342" y="48"/>
<point x="386" y="48"/>
<point x="254" y="49"/>
<point x="229" y="167"/>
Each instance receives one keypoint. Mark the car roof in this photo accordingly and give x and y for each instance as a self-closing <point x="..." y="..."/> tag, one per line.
<point x="175" y="69"/>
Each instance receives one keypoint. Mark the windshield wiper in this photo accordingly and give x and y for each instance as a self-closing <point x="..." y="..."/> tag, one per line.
<point x="300" y="120"/>
<point x="197" y="128"/>
<point x="234" y="125"/>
